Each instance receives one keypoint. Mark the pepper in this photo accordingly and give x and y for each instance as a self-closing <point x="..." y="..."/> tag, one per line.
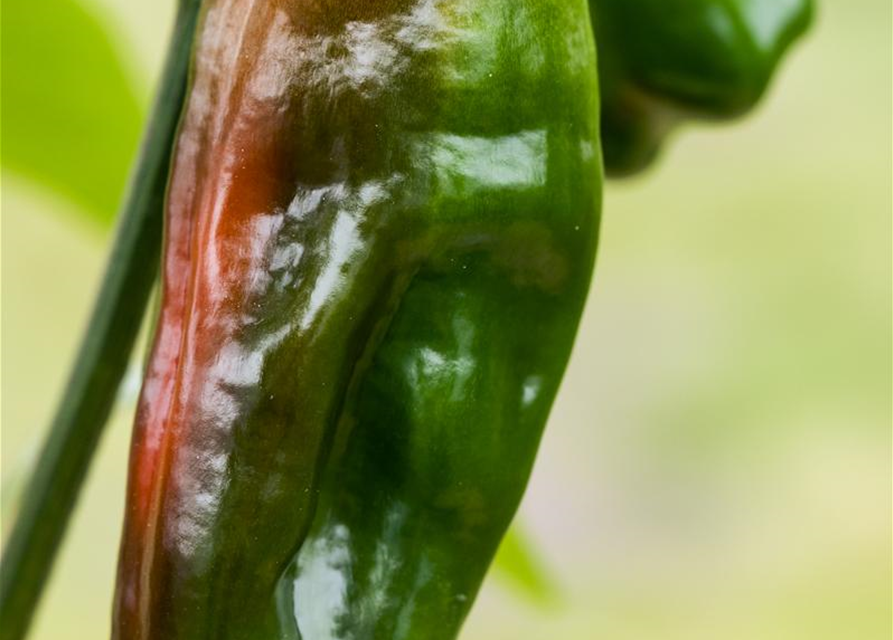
<point x="380" y="232"/>
<point x="662" y="62"/>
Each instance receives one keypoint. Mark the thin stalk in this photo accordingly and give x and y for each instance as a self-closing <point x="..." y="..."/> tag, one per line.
<point x="101" y="362"/>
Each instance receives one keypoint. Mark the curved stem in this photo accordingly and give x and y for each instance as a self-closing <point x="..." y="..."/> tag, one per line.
<point x="101" y="362"/>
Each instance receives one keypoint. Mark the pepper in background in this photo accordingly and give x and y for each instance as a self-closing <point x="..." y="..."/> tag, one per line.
<point x="662" y="62"/>
<point x="380" y="231"/>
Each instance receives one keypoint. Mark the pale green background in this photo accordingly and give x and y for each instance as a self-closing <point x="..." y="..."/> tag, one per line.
<point x="718" y="462"/>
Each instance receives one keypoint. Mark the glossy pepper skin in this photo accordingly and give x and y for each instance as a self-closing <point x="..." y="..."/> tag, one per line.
<point x="665" y="61"/>
<point x="380" y="231"/>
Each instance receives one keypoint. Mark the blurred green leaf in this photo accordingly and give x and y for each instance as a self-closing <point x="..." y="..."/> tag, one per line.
<point x="519" y="564"/>
<point x="71" y="116"/>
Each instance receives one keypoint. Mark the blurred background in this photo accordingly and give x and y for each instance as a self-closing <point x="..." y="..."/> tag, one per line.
<point x="718" y="464"/>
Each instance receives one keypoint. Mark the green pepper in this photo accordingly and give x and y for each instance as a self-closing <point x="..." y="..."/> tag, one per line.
<point x="380" y="232"/>
<point x="665" y="61"/>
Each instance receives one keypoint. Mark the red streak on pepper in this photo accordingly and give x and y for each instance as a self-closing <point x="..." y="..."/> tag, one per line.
<point x="229" y="177"/>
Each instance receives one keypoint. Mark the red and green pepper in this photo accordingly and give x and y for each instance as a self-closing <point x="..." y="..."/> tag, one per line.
<point x="380" y="226"/>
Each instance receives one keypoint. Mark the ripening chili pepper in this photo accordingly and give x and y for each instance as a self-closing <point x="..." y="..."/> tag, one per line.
<point x="380" y="230"/>
<point x="662" y="62"/>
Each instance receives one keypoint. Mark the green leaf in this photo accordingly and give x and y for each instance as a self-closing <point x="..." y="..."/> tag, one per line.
<point x="71" y="116"/>
<point x="520" y="566"/>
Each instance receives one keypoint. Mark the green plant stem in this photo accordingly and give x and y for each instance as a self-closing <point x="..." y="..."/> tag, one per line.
<point x="53" y="489"/>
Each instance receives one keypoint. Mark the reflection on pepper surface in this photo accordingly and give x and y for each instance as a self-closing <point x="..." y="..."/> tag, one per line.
<point x="380" y="231"/>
